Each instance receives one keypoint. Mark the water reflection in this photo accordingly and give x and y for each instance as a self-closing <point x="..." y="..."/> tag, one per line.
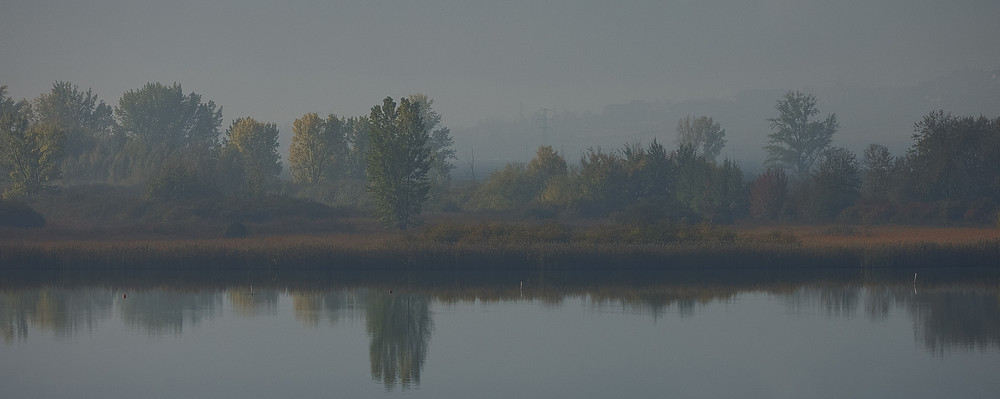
<point x="249" y="302"/>
<point x="950" y="320"/>
<point x="313" y="306"/>
<point x="165" y="312"/>
<point x="946" y="317"/>
<point x="832" y="301"/>
<point x="62" y="311"/>
<point x="400" y="327"/>
<point x="658" y="301"/>
<point x="879" y="303"/>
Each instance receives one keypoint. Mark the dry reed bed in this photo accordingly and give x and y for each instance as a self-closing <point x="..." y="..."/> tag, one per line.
<point x="803" y="247"/>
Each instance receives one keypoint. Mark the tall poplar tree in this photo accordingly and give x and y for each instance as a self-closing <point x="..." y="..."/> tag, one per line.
<point x="798" y="141"/>
<point x="440" y="143"/>
<point x="398" y="161"/>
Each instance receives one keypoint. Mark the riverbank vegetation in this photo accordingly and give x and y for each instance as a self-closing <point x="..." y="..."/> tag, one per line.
<point x="155" y="183"/>
<point x="518" y="247"/>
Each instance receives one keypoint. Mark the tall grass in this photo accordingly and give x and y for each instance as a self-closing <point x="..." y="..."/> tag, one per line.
<point x="493" y="247"/>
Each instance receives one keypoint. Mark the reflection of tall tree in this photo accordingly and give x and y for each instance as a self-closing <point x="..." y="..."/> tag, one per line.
<point x="957" y="319"/>
<point x="840" y="300"/>
<point x="879" y="302"/>
<point x="63" y="311"/>
<point x="400" y="327"/>
<point x="249" y="302"/>
<point x="834" y="300"/>
<point x="161" y="311"/>
<point x="311" y="307"/>
<point x="307" y="307"/>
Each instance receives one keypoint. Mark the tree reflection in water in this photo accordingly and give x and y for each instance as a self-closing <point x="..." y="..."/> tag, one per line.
<point x="313" y="306"/>
<point x="165" y="311"/>
<point x="248" y="302"/>
<point x="957" y="320"/>
<point x="60" y="310"/>
<point x="400" y="327"/>
<point x="947" y="316"/>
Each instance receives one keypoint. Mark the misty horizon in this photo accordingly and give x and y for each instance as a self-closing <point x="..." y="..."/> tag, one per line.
<point x="483" y="63"/>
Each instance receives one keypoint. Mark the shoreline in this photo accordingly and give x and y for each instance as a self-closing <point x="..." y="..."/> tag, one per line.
<point x="800" y="247"/>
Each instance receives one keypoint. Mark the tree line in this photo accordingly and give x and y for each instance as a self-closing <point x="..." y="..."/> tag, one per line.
<point x="950" y="174"/>
<point x="171" y="143"/>
<point x="398" y="159"/>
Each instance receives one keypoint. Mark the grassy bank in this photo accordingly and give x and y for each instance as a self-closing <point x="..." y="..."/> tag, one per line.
<point x="488" y="247"/>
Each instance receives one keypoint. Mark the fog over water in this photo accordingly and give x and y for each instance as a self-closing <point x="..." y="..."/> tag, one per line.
<point x="507" y="61"/>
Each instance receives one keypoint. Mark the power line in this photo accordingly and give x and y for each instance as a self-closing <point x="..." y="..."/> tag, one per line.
<point x="544" y="121"/>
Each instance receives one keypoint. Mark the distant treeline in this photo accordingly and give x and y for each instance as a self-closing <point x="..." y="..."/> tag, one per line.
<point x="951" y="174"/>
<point x="170" y="144"/>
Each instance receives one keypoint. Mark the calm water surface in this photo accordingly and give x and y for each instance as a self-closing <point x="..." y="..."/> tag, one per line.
<point x="786" y="340"/>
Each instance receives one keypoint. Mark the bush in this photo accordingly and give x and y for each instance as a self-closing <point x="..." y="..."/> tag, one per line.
<point x="18" y="214"/>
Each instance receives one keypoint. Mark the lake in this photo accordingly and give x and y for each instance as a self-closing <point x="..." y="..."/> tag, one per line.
<point x="845" y="334"/>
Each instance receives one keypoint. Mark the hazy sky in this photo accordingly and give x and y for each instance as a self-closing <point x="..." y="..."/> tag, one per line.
<point x="278" y="60"/>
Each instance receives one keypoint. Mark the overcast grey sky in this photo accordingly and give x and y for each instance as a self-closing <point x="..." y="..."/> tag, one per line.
<point x="278" y="60"/>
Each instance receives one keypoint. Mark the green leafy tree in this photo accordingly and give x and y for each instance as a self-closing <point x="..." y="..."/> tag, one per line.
<point x="703" y="134"/>
<point x="768" y="193"/>
<point x="601" y="182"/>
<point x="440" y="143"/>
<point x="877" y="167"/>
<point x="87" y="124"/>
<point x="29" y="151"/>
<point x="255" y="147"/>
<point x="509" y="188"/>
<point x="708" y="191"/>
<point x="650" y="172"/>
<point x="442" y="154"/>
<point x="546" y="164"/>
<point x="797" y="141"/>
<point x="357" y="132"/>
<point x="693" y="181"/>
<point x="956" y="158"/>
<point x="836" y="183"/>
<point x="730" y="195"/>
<point x="548" y="175"/>
<point x="398" y="161"/>
<point x="318" y="148"/>
<point x="160" y="123"/>
<point x="650" y="182"/>
<point x="658" y="172"/>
